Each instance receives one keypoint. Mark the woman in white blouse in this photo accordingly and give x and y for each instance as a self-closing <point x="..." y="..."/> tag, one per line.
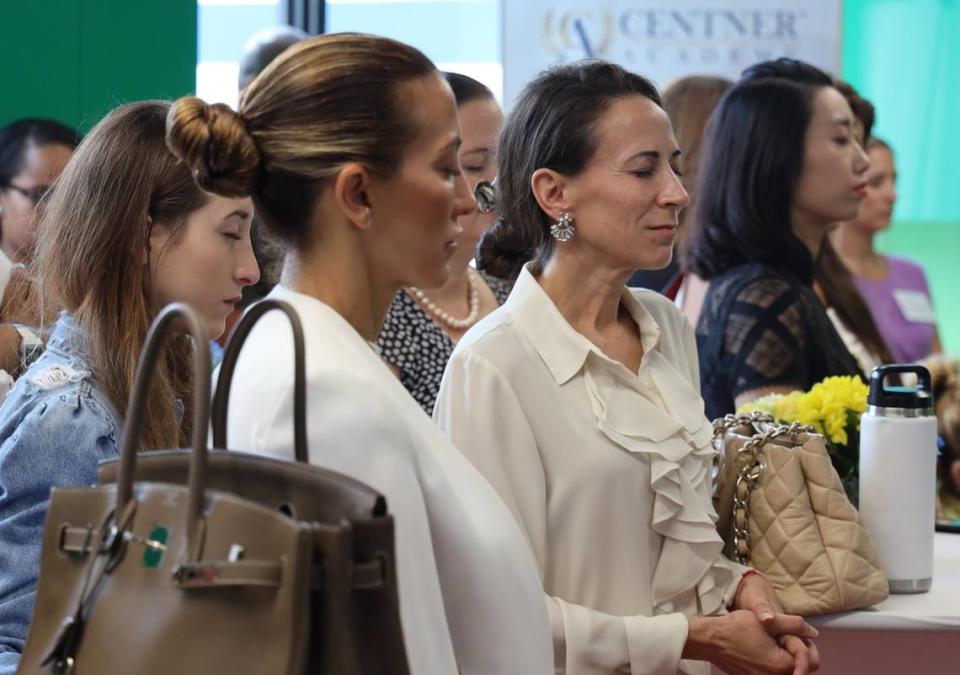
<point x="579" y="399"/>
<point x="348" y="144"/>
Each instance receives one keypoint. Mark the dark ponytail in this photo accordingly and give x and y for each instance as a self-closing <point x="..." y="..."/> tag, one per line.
<point x="841" y="293"/>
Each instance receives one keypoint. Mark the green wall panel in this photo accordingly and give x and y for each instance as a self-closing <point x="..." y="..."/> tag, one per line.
<point x="74" y="60"/>
<point x="136" y="50"/>
<point x="39" y="51"/>
<point x="904" y="56"/>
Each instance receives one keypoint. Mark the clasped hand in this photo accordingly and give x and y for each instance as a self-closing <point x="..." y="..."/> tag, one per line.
<point x="756" y="638"/>
<point x="791" y="633"/>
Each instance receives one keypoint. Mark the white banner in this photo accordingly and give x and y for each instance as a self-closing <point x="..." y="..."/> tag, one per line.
<point x="666" y="39"/>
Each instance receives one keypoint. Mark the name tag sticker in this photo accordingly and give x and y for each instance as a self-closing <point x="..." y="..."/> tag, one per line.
<point x="915" y="306"/>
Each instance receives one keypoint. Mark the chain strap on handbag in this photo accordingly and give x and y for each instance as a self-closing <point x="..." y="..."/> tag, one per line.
<point x="749" y="474"/>
<point x="721" y="425"/>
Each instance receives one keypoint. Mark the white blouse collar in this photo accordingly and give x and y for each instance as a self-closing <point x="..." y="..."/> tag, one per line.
<point x="561" y="347"/>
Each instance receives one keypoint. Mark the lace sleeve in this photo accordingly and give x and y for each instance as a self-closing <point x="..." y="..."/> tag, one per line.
<point x="765" y="337"/>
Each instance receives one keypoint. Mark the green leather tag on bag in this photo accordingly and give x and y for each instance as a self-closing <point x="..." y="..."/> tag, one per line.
<point x="153" y="555"/>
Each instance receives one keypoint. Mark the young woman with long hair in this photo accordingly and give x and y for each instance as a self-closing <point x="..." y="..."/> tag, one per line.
<point x="126" y="232"/>
<point x="833" y="280"/>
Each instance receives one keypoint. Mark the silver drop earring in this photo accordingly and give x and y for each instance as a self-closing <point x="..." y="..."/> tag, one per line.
<point x="485" y="195"/>
<point x="563" y="228"/>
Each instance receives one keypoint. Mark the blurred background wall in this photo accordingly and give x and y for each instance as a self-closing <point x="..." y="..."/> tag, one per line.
<point x="904" y="56"/>
<point x="75" y="59"/>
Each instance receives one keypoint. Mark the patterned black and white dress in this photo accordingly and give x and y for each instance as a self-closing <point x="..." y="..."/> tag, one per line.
<point x="418" y="347"/>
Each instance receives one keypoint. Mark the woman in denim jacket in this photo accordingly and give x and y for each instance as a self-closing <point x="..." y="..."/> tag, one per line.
<point x="125" y="232"/>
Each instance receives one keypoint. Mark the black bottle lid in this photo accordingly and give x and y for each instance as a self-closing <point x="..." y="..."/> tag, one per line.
<point x="897" y="396"/>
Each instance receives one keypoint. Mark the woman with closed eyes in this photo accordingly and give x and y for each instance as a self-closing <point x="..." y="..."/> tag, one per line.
<point x="579" y="399"/>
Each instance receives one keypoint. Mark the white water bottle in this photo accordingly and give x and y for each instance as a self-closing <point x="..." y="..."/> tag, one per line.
<point x="898" y="469"/>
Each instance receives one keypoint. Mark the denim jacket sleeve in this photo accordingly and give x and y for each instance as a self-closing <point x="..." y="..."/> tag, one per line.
<point x="49" y="439"/>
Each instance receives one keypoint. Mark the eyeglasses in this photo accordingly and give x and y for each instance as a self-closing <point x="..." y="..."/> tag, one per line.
<point x="35" y="194"/>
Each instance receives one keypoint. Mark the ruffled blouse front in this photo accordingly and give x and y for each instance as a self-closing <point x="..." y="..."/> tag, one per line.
<point x="665" y="424"/>
<point x="607" y="471"/>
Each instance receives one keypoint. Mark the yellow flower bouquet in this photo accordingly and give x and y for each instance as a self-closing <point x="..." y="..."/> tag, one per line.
<point x="833" y="407"/>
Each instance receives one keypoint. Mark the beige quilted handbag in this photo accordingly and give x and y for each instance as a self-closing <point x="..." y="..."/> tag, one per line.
<point x="782" y="510"/>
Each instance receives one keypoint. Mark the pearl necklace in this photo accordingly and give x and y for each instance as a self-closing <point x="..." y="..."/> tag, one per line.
<point x="443" y="315"/>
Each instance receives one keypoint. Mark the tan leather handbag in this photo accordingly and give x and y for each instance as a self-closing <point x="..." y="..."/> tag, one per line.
<point x="783" y="510"/>
<point x="330" y="607"/>
<point x="168" y="578"/>
<point x="355" y="624"/>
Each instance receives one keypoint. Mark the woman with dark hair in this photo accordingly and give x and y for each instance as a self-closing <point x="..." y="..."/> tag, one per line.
<point x="33" y="152"/>
<point x="578" y="398"/>
<point x="782" y="167"/>
<point x="835" y="284"/>
<point x="423" y="325"/>
<point x="349" y="146"/>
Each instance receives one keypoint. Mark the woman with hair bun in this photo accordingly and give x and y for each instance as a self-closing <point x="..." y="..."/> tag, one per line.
<point x="348" y="145"/>
<point x="126" y="232"/>
<point x="689" y="102"/>
<point x="579" y="398"/>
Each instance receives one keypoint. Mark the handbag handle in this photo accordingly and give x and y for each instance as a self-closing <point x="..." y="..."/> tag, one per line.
<point x="231" y="354"/>
<point x="722" y="425"/>
<point x="157" y="337"/>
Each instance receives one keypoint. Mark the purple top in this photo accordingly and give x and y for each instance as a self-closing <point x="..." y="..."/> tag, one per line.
<point x="902" y="308"/>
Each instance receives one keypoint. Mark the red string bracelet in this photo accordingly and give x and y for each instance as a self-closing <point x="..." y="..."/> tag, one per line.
<point x="743" y="577"/>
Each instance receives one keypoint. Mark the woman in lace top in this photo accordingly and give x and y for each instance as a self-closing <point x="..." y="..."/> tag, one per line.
<point x="422" y="326"/>
<point x="578" y="398"/>
<point x="782" y="167"/>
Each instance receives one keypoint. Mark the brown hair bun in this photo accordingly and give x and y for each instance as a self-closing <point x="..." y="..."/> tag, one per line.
<point x="215" y="143"/>
<point x="503" y="250"/>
